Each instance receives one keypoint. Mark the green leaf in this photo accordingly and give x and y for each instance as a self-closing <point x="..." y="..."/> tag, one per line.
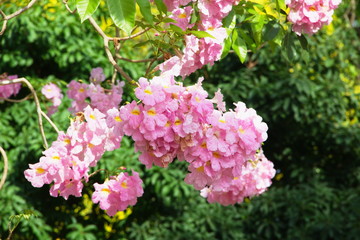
<point x="161" y="6"/>
<point x="122" y="13"/>
<point x="226" y="47"/>
<point x="271" y="30"/>
<point x="229" y="19"/>
<point x="145" y="10"/>
<point x="86" y="8"/>
<point x="281" y="4"/>
<point x="303" y="42"/>
<point x="168" y="20"/>
<point x="239" y="46"/>
<point x="176" y="29"/>
<point x="289" y="47"/>
<point x="201" y="34"/>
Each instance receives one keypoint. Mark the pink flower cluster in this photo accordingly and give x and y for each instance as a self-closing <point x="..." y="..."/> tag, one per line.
<point x="118" y="193"/>
<point x="52" y="92"/>
<point x="198" y="52"/>
<point x="7" y="91"/>
<point x="174" y="121"/>
<point x="100" y="98"/>
<point x="170" y="121"/>
<point x="67" y="162"/>
<point x="254" y="178"/>
<point x="308" y="16"/>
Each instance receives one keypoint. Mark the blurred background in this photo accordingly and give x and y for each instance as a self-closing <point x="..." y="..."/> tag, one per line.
<point x="311" y="104"/>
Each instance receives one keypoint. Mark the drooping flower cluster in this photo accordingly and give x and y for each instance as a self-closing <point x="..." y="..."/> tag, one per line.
<point x="7" y="91"/>
<point x="254" y="178"/>
<point x="100" y="98"/>
<point x="308" y="16"/>
<point x="67" y="162"/>
<point x="52" y="92"/>
<point x="174" y="121"/>
<point x="198" y="52"/>
<point x="118" y="193"/>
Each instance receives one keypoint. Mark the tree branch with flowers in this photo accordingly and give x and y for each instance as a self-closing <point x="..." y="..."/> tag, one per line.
<point x="167" y="120"/>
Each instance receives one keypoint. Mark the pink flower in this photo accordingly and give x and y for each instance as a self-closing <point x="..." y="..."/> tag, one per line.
<point x="310" y="15"/>
<point x="182" y="17"/>
<point x="150" y="94"/>
<point x="53" y="93"/>
<point x="118" y="193"/>
<point x="7" y="91"/>
<point x="97" y="75"/>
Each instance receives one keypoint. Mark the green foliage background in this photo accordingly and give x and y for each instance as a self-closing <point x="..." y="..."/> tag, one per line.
<point x="312" y="108"/>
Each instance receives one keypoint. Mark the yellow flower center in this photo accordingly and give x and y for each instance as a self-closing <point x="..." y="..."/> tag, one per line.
<point x="92" y="116"/>
<point x="216" y="155"/>
<point x="118" y="119"/>
<point x="40" y="170"/>
<point x="241" y="130"/>
<point x="124" y="185"/>
<point x="147" y="91"/>
<point x="135" y="111"/>
<point x="200" y="169"/>
<point x="151" y="112"/>
<point x="183" y="15"/>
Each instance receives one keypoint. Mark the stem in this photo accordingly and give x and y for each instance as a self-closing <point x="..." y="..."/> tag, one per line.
<point x="15" y="14"/>
<point x="16" y="100"/>
<point x="3" y="178"/>
<point x="51" y="122"/>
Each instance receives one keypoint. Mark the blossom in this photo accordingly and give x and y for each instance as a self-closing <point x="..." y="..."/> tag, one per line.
<point x="97" y="75"/>
<point x="8" y="90"/>
<point x="310" y="15"/>
<point x="182" y="17"/>
<point x="52" y="92"/>
<point x="118" y="193"/>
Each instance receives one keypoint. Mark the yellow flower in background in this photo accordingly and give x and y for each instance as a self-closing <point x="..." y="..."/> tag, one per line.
<point x="357" y="89"/>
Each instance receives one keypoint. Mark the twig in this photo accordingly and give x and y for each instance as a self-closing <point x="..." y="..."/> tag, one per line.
<point x="68" y="8"/>
<point x="101" y="32"/>
<point x="117" y="46"/>
<point x="3" y="178"/>
<point x="97" y="171"/>
<point x="108" y="52"/>
<point x="38" y="108"/>
<point x="6" y="18"/>
<point x="51" y="122"/>
<point x="16" y="100"/>
<point x="113" y="62"/>
<point x="138" y="61"/>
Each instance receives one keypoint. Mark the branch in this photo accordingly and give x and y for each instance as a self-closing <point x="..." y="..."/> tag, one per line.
<point x="51" y="122"/>
<point x="3" y="178"/>
<point x="101" y="32"/>
<point x="6" y="18"/>
<point x="108" y="52"/>
<point x="67" y="7"/>
<point x="38" y="108"/>
<point x="138" y="61"/>
<point x="16" y="100"/>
